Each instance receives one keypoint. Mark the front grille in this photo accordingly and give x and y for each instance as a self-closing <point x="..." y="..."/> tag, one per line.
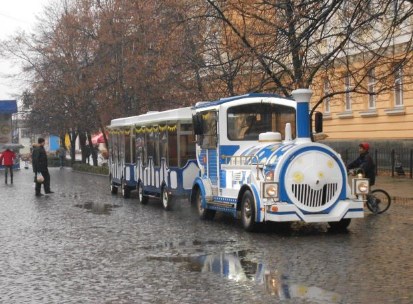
<point x="309" y="197"/>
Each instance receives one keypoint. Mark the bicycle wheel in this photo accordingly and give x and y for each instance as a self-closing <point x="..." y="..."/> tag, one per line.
<point x="379" y="201"/>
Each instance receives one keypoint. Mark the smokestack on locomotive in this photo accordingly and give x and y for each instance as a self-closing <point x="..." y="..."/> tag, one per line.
<point x="302" y="97"/>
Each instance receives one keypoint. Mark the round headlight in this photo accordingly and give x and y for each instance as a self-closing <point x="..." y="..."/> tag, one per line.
<point x="363" y="187"/>
<point x="271" y="191"/>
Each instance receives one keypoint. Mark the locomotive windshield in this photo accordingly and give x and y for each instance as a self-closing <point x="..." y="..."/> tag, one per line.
<point x="246" y="122"/>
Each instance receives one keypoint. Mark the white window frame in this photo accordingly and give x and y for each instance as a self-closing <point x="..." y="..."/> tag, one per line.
<point x="347" y="95"/>
<point x="398" y="87"/>
<point x="371" y="85"/>
<point x="327" y="99"/>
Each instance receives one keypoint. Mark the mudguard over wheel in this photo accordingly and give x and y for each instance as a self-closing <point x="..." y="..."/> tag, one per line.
<point x="167" y="200"/>
<point x="141" y="198"/>
<point x="378" y="201"/>
<point x="205" y="214"/>
<point x="341" y="225"/>
<point x="248" y="212"/>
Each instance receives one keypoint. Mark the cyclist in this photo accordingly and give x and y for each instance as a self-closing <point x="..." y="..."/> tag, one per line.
<point x="365" y="163"/>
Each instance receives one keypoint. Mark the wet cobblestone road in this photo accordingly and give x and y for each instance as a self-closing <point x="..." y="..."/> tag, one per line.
<point x="83" y="245"/>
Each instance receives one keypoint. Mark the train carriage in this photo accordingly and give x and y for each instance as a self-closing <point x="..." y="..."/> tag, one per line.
<point x="153" y="154"/>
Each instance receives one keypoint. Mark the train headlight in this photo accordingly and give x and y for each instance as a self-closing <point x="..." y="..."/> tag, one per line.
<point x="270" y="190"/>
<point x="361" y="186"/>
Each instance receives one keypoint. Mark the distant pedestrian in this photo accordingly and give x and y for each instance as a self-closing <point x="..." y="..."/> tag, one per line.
<point x="8" y="158"/>
<point x="87" y="153"/>
<point x="62" y="156"/>
<point x="39" y="161"/>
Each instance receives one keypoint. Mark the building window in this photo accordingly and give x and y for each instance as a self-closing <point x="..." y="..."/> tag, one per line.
<point x="371" y="88"/>
<point x="398" y="87"/>
<point x="347" y="89"/>
<point x="327" y="99"/>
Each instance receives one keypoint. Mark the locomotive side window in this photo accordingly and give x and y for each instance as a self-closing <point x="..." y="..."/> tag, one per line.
<point x="186" y="144"/>
<point x="209" y="130"/>
<point x="246" y="122"/>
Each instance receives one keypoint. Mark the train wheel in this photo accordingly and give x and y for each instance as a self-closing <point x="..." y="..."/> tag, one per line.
<point x="205" y="214"/>
<point x="141" y="198"/>
<point x="125" y="190"/>
<point x="113" y="189"/>
<point x="166" y="200"/>
<point x="248" y="212"/>
<point x="341" y="225"/>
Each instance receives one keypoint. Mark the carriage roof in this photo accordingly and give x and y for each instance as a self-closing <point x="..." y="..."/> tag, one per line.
<point x="153" y="118"/>
<point x="205" y="104"/>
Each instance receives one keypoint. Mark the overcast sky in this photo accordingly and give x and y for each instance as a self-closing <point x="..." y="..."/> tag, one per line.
<point x="15" y="15"/>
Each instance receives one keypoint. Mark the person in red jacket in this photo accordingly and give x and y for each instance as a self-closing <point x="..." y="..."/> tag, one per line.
<point x="7" y="158"/>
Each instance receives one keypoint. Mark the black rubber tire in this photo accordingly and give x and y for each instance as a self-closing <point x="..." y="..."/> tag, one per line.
<point x="384" y="201"/>
<point x="113" y="188"/>
<point x="167" y="200"/>
<point x="141" y="198"/>
<point x="125" y="190"/>
<point x="204" y="214"/>
<point x="248" y="212"/>
<point x="341" y="225"/>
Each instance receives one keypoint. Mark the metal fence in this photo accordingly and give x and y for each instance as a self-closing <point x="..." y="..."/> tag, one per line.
<point x="394" y="162"/>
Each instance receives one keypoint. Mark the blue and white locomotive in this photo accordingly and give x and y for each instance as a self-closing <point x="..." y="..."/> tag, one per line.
<point x="257" y="159"/>
<point x="253" y="158"/>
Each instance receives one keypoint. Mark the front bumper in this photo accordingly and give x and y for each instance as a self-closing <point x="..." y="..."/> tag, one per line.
<point x="289" y="212"/>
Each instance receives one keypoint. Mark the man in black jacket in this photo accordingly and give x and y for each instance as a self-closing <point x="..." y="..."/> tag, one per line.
<point x="39" y="160"/>
<point x="365" y="163"/>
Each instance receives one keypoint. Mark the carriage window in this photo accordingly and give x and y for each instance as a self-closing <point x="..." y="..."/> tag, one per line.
<point x="163" y="144"/>
<point x="208" y="139"/>
<point x="140" y="147"/>
<point x="153" y="146"/>
<point x="133" y="160"/>
<point x="172" y="149"/>
<point x="246" y="122"/>
<point x="127" y="149"/>
<point x="187" y="147"/>
<point x="121" y="148"/>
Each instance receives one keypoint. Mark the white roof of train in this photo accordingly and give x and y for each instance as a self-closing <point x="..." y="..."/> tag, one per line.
<point x="153" y="118"/>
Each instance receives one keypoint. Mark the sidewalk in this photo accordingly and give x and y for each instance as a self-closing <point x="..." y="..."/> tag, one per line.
<point x="399" y="188"/>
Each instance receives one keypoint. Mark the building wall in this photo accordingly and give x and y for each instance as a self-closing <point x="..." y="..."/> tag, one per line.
<point x="386" y="122"/>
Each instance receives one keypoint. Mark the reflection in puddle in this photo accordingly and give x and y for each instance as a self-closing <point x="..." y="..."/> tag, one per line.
<point x="96" y="208"/>
<point x="236" y="267"/>
<point x="190" y="244"/>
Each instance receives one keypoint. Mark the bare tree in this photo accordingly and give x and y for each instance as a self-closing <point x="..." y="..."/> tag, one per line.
<point x="293" y="42"/>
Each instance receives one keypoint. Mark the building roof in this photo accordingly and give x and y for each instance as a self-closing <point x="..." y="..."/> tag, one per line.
<point x="8" y="106"/>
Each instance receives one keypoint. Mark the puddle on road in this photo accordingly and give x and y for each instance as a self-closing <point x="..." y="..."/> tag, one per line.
<point x="189" y="244"/>
<point x="236" y="267"/>
<point x="97" y="208"/>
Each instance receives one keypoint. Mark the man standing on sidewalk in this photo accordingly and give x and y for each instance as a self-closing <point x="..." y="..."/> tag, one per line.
<point x="8" y="157"/>
<point x="39" y="160"/>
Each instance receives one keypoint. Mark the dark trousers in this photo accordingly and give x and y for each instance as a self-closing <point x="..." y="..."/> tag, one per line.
<point x="46" y="183"/>
<point x="6" y="170"/>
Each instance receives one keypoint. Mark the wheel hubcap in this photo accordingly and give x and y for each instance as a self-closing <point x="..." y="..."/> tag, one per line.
<point x="247" y="209"/>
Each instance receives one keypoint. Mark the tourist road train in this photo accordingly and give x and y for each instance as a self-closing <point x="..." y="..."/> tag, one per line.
<point x="251" y="156"/>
